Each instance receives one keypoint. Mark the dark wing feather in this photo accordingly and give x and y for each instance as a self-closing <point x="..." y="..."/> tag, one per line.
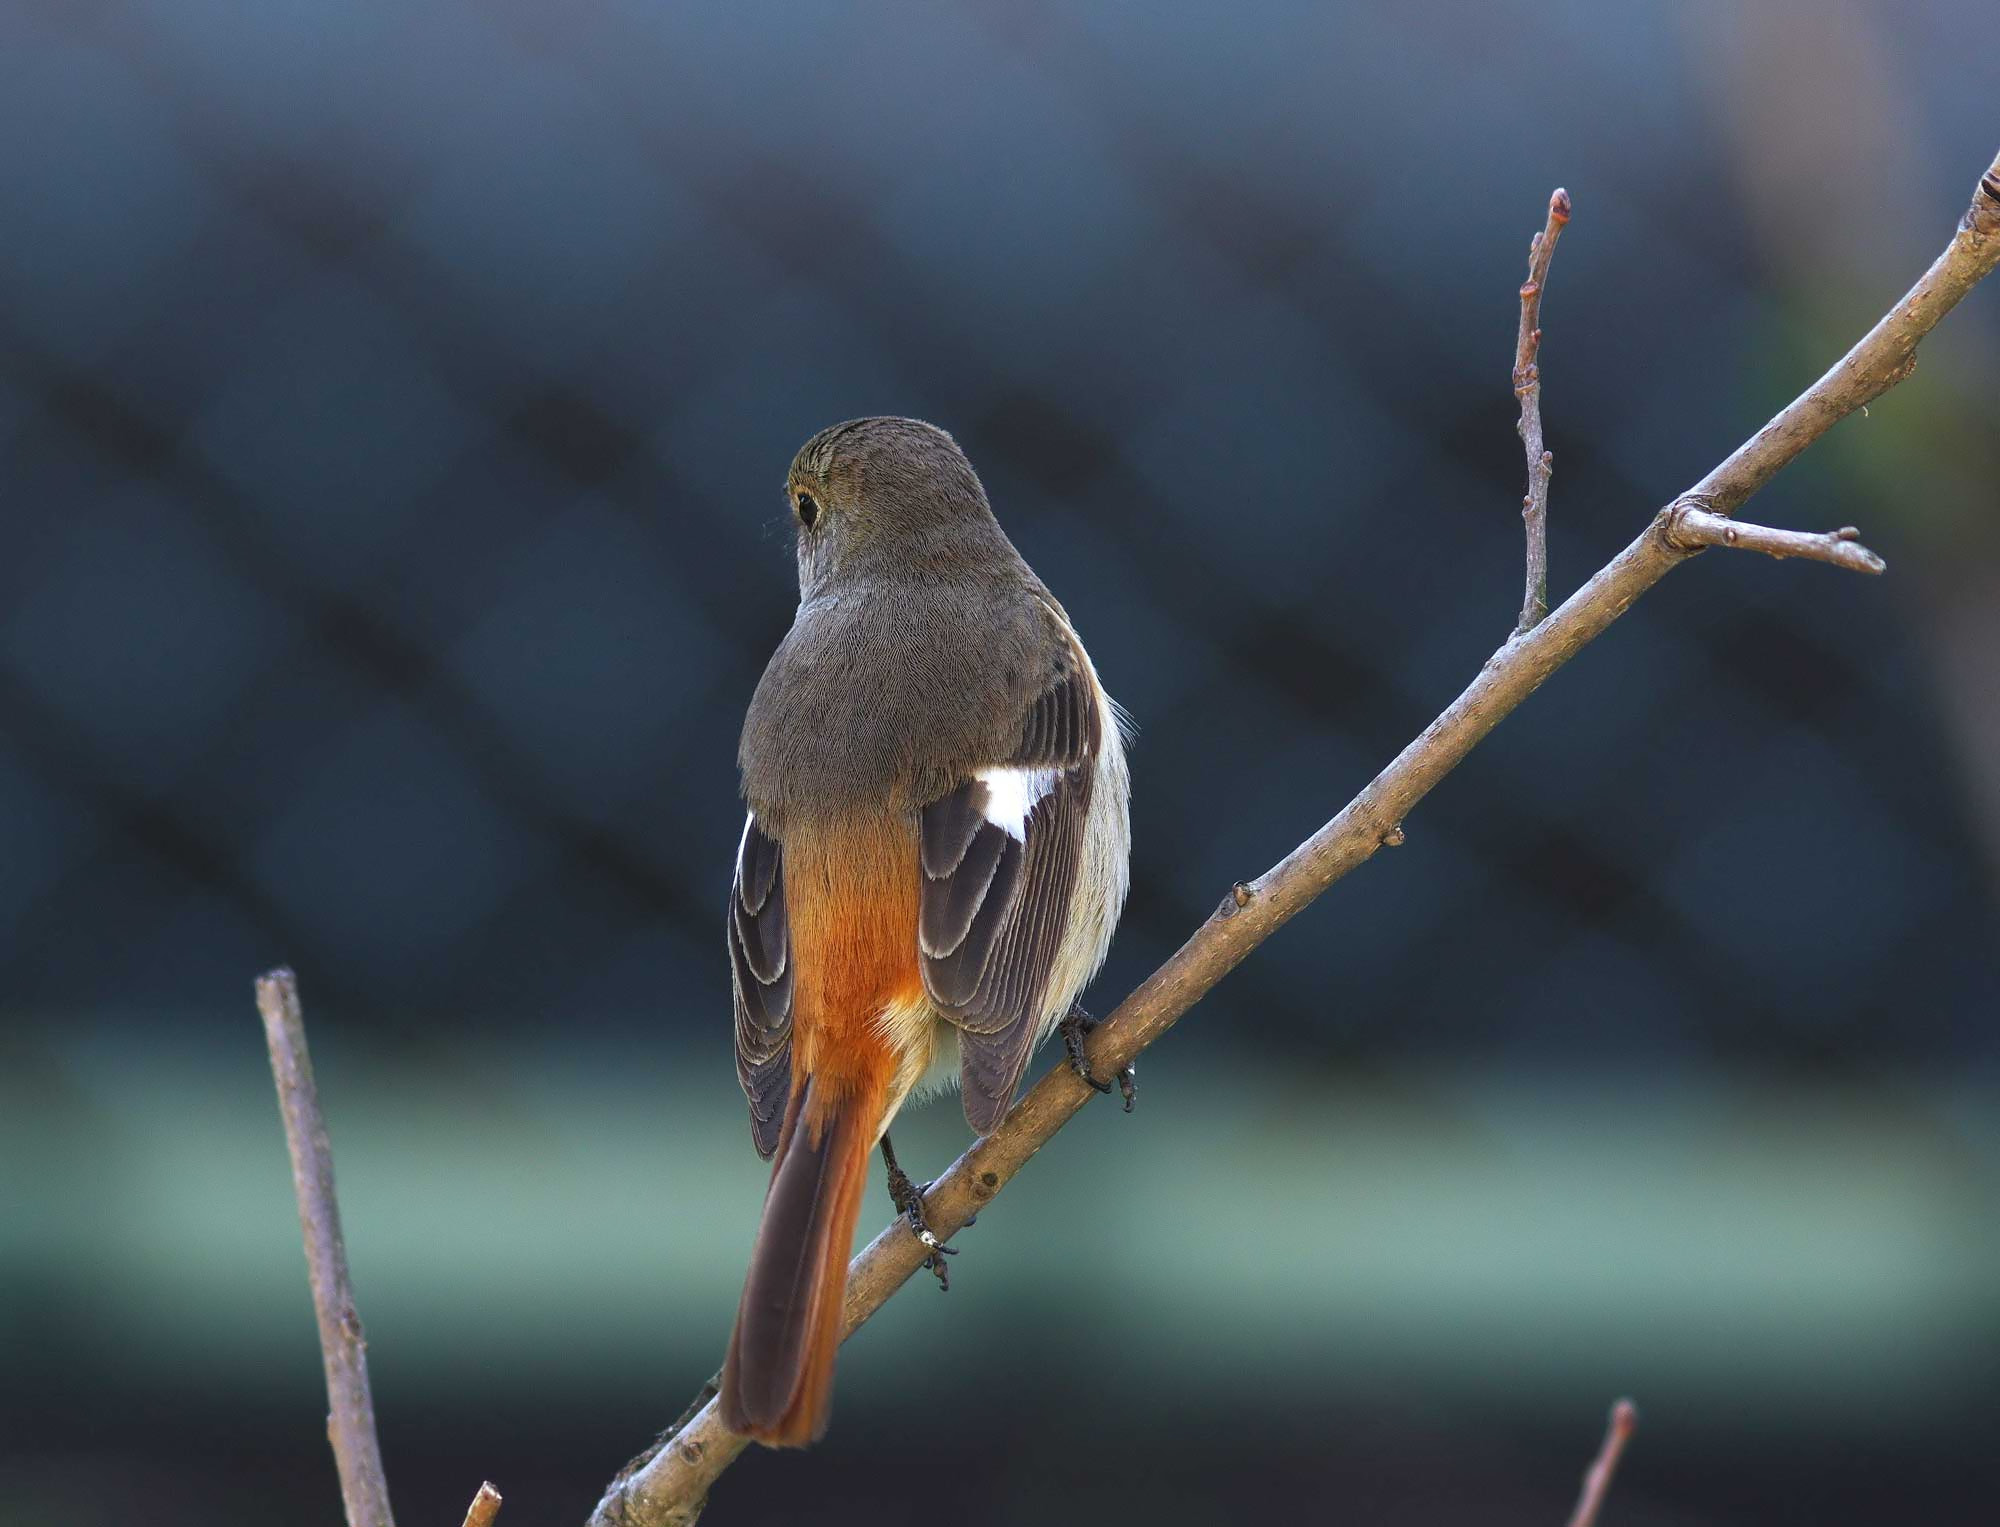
<point x="949" y="826"/>
<point x="994" y="908"/>
<point x="760" y="961"/>
<point x="960" y="915"/>
<point x="1064" y="728"/>
<point x="1000" y="1024"/>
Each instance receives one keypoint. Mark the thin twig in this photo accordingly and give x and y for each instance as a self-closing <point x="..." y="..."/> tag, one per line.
<point x="351" y="1425"/>
<point x="1528" y="388"/>
<point x="485" y="1507"/>
<point x="671" y="1486"/>
<point x="1692" y="526"/>
<point x="1597" y="1480"/>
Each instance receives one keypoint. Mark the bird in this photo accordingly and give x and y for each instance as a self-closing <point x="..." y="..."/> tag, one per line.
<point x="934" y="857"/>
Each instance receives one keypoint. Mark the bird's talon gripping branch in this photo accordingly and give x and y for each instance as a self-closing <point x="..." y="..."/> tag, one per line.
<point x="909" y="1199"/>
<point x="1075" y="1029"/>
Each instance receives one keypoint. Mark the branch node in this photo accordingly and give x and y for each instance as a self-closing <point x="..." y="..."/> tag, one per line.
<point x="1982" y="218"/>
<point x="1394" y="838"/>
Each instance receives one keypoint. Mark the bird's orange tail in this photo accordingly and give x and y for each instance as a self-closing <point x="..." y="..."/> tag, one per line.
<point x="777" y="1382"/>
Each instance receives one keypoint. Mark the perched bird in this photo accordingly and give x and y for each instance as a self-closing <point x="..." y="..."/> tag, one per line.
<point x="934" y="861"/>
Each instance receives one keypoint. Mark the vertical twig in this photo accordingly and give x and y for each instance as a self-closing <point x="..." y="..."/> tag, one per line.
<point x="351" y="1421"/>
<point x="1597" y="1482"/>
<point x="1528" y="388"/>
<point x="485" y="1508"/>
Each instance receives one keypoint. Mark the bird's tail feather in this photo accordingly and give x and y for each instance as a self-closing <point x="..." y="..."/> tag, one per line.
<point x="777" y="1381"/>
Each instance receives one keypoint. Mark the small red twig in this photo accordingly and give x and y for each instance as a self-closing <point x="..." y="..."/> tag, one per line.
<point x="1528" y="388"/>
<point x="1597" y="1482"/>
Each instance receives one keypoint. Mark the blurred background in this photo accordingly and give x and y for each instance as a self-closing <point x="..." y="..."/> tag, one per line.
<point x="395" y="401"/>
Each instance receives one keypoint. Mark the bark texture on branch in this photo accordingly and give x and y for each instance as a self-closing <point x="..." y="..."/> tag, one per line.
<point x="350" y="1423"/>
<point x="668" y="1485"/>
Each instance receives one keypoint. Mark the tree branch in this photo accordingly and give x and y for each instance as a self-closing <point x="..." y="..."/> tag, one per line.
<point x="1528" y="388"/>
<point x="485" y="1507"/>
<point x="1691" y="527"/>
<point x="351" y="1425"/>
<point x="668" y="1485"/>
<point x="1597" y="1480"/>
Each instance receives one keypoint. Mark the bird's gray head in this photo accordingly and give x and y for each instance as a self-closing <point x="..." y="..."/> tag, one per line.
<point x="889" y="500"/>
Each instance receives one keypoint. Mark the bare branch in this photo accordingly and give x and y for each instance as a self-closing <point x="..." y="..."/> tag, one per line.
<point x="1597" y="1481"/>
<point x="625" y="1493"/>
<point x="1690" y="526"/>
<point x="351" y="1425"/>
<point x="670" y="1486"/>
<point x="1528" y="388"/>
<point x="1885" y="356"/>
<point x="485" y="1508"/>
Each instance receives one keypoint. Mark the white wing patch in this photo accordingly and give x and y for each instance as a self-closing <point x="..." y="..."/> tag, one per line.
<point x="1011" y="794"/>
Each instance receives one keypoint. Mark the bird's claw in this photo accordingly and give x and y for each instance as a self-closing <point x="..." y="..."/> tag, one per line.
<point x="909" y="1198"/>
<point x="1075" y="1029"/>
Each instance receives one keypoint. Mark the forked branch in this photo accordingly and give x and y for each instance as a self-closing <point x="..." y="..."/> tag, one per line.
<point x="669" y="1483"/>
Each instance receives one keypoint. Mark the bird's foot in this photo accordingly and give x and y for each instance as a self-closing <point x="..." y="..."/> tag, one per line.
<point x="909" y="1199"/>
<point x="1075" y="1029"/>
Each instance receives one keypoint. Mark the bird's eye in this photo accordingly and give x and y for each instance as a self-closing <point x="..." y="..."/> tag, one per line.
<point x="808" y="510"/>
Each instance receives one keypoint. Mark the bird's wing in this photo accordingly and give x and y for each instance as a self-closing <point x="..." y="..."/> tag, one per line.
<point x="760" y="959"/>
<point x="1000" y="856"/>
